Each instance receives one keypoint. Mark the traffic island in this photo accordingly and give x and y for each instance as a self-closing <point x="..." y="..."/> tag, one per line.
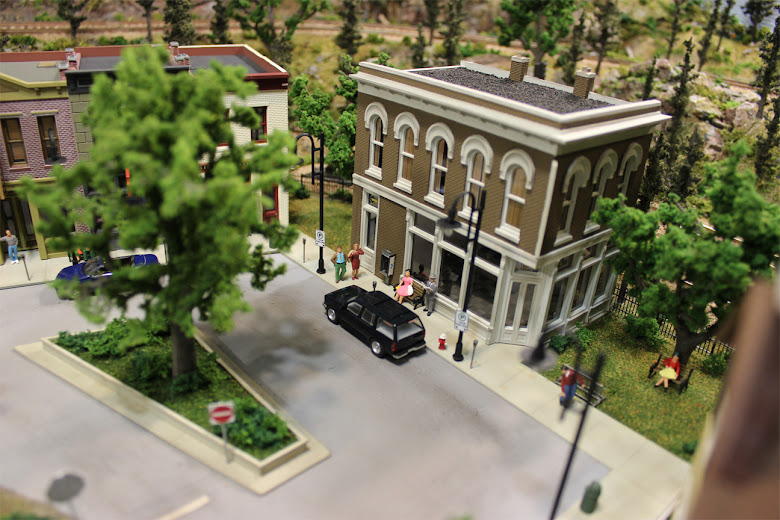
<point x="259" y="476"/>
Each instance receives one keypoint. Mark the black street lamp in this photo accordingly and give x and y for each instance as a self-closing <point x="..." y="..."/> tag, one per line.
<point x="321" y="149"/>
<point x="448" y="225"/>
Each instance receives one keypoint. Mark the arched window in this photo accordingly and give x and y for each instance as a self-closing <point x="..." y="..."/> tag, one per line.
<point x="406" y="130"/>
<point x="517" y="172"/>
<point x="477" y="156"/>
<point x="629" y="165"/>
<point x="576" y="177"/>
<point x="439" y="141"/>
<point x="376" y="124"/>
<point x="604" y="170"/>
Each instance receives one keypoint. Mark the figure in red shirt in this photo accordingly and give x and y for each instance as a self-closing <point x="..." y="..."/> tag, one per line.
<point x="671" y="370"/>
<point x="569" y="385"/>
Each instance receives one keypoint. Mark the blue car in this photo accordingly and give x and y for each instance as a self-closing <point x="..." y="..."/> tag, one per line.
<point x="93" y="269"/>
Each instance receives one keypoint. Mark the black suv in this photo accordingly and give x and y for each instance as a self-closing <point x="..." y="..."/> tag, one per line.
<point x="385" y="325"/>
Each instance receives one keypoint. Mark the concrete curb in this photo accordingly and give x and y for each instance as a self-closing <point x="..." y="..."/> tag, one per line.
<point x="260" y="476"/>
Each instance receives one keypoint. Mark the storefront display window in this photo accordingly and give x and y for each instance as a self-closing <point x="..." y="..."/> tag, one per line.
<point x="483" y="292"/>
<point x="450" y="275"/>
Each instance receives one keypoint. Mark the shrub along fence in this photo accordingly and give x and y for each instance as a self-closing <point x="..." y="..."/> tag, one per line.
<point x="627" y="305"/>
<point x="333" y="185"/>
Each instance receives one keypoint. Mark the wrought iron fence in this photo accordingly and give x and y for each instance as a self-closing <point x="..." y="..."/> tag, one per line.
<point x="333" y="185"/>
<point x="626" y="305"/>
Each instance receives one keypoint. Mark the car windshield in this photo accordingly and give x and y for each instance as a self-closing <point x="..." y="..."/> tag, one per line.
<point x="410" y="328"/>
<point x="94" y="267"/>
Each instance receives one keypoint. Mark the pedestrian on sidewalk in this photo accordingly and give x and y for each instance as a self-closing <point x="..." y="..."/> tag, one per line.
<point x="340" y="262"/>
<point x="354" y="257"/>
<point x="13" y="244"/>
<point x="569" y="380"/>
<point x="430" y="294"/>
<point x="405" y="288"/>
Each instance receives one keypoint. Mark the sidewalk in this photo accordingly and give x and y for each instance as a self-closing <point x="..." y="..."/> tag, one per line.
<point x="645" y="480"/>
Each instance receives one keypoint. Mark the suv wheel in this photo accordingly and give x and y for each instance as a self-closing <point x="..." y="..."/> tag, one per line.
<point x="332" y="315"/>
<point x="377" y="349"/>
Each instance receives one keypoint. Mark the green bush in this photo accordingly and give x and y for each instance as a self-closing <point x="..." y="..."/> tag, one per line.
<point x="149" y="365"/>
<point x="374" y="38"/>
<point x="24" y="516"/>
<point x="690" y="447"/>
<point x="108" y="343"/>
<point x="256" y="427"/>
<point x="468" y="50"/>
<point x="188" y="383"/>
<point x="585" y="335"/>
<point x="559" y="343"/>
<point x="58" y="44"/>
<point x="645" y="330"/>
<point x="301" y="192"/>
<point x="715" y="364"/>
<point x="342" y="195"/>
<point x="45" y="17"/>
<point x="23" y="40"/>
<point x="115" y="40"/>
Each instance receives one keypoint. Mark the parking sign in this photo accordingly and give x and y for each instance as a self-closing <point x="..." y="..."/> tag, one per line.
<point x="461" y="321"/>
<point x="319" y="238"/>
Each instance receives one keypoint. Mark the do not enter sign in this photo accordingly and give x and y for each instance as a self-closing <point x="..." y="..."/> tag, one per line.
<point x="222" y="412"/>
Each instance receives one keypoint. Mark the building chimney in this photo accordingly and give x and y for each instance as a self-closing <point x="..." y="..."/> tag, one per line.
<point x="73" y="62"/>
<point x="174" y="48"/>
<point x="583" y="82"/>
<point x="182" y="59"/>
<point x="519" y="68"/>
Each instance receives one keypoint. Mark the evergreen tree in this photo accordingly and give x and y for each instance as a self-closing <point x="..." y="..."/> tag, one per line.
<point x="768" y="75"/>
<point x="538" y="24"/>
<point x="647" y="91"/>
<point x="161" y="126"/>
<point x="675" y="25"/>
<point x="725" y="23"/>
<point x="568" y="60"/>
<point x="349" y="36"/>
<point x="148" y="7"/>
<point x="432" y="10"/>
<point x="757" y="11"/>
<point x="259" y="17"/>
<point x="706" y="41"/>
<point x="684" y="177"/>
<point x="607" y="18"/>
<point x="453" y="31"/>
<point x="69" y="11"/>
<point x="686" y="273"/>
<point x="679" y="101"/>
<point x="220" y="23"/>
<point x="767" y="164"/>
<point x="655" y="173"/>
<point x="178" y="17"/>
<point x="418" y="49"/>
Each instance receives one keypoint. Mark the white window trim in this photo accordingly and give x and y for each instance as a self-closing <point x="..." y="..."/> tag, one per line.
<point x="605" y="169"/>
<point x="435" y="132"/>
<point x="629" y="165"/>
<point x="403" y="121"/>
<point x="576" y="177"/>
<point x="373" y="111"/>
<point x="511" y="160"/>
<point x="472" y="145"/>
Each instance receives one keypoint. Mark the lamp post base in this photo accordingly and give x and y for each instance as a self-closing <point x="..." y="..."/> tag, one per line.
<point x="458" y="355"/>
<point x="321" y="268"/>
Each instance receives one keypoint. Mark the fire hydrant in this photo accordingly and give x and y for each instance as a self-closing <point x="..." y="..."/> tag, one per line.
<point x="591" y="497"/>
<point x="443" y="342"/>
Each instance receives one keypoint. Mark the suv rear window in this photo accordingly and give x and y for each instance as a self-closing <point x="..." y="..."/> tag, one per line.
<point x="409" y="328"/>
<point x="385" y="328"/>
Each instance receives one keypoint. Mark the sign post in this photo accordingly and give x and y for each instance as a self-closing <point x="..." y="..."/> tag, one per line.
<point x="222" y="413"/>
<point x="319" y="238"/>
<point x="461" y="321"/>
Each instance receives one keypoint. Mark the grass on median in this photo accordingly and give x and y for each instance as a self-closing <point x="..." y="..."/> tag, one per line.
<point x="663" y="416"/>
<point x="305" y="214"/>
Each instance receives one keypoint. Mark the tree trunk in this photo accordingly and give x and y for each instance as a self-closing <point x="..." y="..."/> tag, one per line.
<point x="149" y="26"/>
<point x="686" y="342"/>
<point x="183" y="351"/>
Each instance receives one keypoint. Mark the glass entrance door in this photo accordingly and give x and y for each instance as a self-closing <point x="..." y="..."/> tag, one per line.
<point x="368" y="231"/>
<point x="15" y="215"/>
<point x="519" y="310"/>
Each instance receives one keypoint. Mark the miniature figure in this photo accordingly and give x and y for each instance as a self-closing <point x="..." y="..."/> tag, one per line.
<point x="430" y="294"/>
<point x="340" y="262"/>
<point x="421" y="274"/>
<point x="354" y="257"/>
<point x="405" y="288"/>
<point x="13" y="244"/>
<point x="569" y="385"/>
<point x="670" y="371"/>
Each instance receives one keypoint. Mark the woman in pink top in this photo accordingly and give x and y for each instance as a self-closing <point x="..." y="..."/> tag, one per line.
<point x="403" y="289"/>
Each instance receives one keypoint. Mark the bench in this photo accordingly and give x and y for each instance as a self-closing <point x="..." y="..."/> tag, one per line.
<point x="681" y="382"/>
<point x="582" y="389"/>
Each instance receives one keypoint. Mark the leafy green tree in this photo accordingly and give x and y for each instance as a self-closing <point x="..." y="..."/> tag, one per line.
<point x="706" y="41"/>
<point x="603" y="38"/>
<point x="148" y="7"/>
<point x="647" y="90"/>
<point x="349" y="37"/>
<point x="768" y="75"/>
<point x="220" y="24"/>
<point x="178" y="17"/>
<point x="453" y="30"/>
<point x="160" y="126"/>
<point x="757" y="11"/>
<point x="655" y="173"/>
<point x="418" y="49"/>
<point x="568" y="60"/>
<point x="432" y="10"/>
<point x="538" y="24"/>
<point x="726" y="22"/>
<point x="259" y="17"/>
<point x="684" y="272"/>
<point x="767" y="164"/>
<point x="69" y="10"/>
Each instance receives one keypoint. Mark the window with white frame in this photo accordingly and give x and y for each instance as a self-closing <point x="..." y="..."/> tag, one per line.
<point x="376" y="124"/>
<point x="407" y="130"/>
<point x="629" y="165"/>
<point x="517" y="172"/>
<point x="604" y="170"/>
<point x="438" y="141"/>
<point x="567" y="268"/>
<point x="576" y="177"/>
<point x="477" y="156"/>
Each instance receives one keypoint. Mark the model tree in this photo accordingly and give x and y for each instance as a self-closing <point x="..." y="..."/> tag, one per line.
<point x="418" y="49"/>
<point x="683" y="178"/>
<point x="178" y="17"/>
<point x="259" y="17"/>
<point x="767" y="163"/>
<point x="432" y="10"/>
<point x="452" y="31"/>
<point x="349" y="36"/>
<point x="757" y="11"/>
<point x="674" y="29"/>
<point x="220" y="23"/>
<point x="538" y="24"/>
<point x="148" y="7"/>
<point x="69" y="10"/>
<point x="684" y="272"/>
<point x="647" y="90"/>
<point x="160" y="126"/>
<point x="706" y="41"/>
<point x="725" y="22"/>
<point x="680" y="99"/>
<point x="568" y="60"/>
<point x="603" y="38"/>
<point x="768" y="74"/>
<point x="655" y="173"/>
